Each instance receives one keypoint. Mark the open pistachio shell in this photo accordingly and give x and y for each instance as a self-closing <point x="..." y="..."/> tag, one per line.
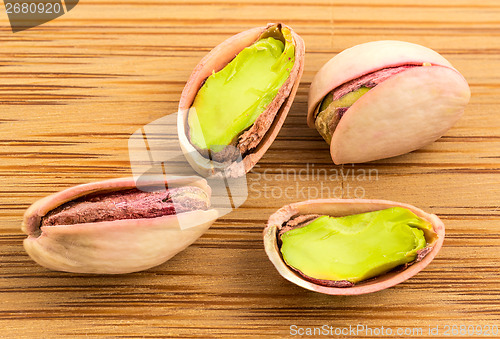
<point x="403" y="113"/>
<point x="268" y="124"/>
<point x="341" y="208"/>
<point x="118" y="246"/>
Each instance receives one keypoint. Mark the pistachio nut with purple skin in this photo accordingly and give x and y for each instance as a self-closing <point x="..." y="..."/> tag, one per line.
<point x="237" y="98"/>
<point x="351" y="246"/>
<point x="384" y="98"/>
<point x="114" y="226"/>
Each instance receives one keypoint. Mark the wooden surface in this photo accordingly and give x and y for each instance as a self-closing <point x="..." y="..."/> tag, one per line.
<point x="74" y="89"/>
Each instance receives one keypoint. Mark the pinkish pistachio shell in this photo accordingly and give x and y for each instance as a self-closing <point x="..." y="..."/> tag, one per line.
<point x="339" y="208"/>
<point x="112" y="247"/>
<point x="402" y="114"/>
<point x="363" y="59"/>
<point x="217" y="59"/>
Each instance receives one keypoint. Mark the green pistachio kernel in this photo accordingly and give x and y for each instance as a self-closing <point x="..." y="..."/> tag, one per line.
<point x="231" y="100"/>
<point x="328" y="117"/>
<point x="356" y="247"/>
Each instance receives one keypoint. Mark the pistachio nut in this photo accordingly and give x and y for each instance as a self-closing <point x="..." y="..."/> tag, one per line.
<point x="384" y="98"/>
<point x="114" y="226"/>
<point x="351" y="246"/>
<point x="237" y="99"/>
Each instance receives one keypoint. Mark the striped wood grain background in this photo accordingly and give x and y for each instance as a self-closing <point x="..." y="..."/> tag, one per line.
<point x="73" y="90"/>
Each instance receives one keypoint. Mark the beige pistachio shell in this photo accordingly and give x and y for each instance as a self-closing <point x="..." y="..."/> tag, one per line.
<point x="216" y="60"/>
<point x="112" y="247"/>
<point x="340" y="208"/>
<point x="404" y="113"/>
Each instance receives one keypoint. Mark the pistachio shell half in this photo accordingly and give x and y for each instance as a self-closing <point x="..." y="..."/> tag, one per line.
<point x="249" y="145"/>
<point x="114" y="226"/>
<point x="411" y="97"/>
<point x="307" y="210"/>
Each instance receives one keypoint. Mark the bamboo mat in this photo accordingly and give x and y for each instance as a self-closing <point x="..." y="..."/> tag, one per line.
<point x="73" y="90"/>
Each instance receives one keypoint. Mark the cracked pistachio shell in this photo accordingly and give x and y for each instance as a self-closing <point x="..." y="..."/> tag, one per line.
<point x="340" y="208"/>
<point x="112" y="247"/>
<point x="404" y="113"/>
<point x="216" y="60"/>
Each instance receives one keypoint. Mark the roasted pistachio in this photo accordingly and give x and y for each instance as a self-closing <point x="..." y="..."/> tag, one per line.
<point x="351" y="246"/>
<point x="384" y="98"/>
<point x="237" y="99"/>
<point x="115" y="227"/>
<point x="339" y="250"/>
